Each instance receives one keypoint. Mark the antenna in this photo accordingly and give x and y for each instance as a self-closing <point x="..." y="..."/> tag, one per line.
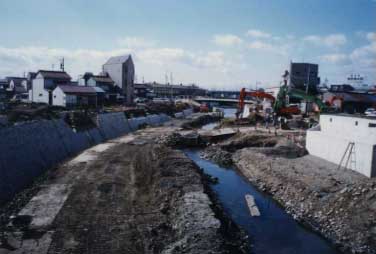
<point x="62" y="64"/>
<point x="166" y="78"/>
<point x="171" y="80"/>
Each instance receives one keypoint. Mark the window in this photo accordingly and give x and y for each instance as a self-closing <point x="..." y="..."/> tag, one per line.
<point x="40" y="95"/>
<point x="372" y="125"/>
<point x="356" y="123"/>
<point x="331" y="120"/>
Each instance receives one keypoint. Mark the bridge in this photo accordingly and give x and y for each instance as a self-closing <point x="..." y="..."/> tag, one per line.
<point x="221" y="100"/>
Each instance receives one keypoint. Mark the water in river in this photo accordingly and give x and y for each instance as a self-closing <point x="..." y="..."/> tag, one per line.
<point x="275" y="231"/>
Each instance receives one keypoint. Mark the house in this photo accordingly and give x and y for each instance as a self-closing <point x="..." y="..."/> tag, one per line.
<point x="45" y="82"/>
<point x="102" y="81"/>
<point x="143" y="91"/>
<point x="121" y="70"/>
<point x="29" y="80"/>
<point x="17" y="85"/>
<point x="77" y="96"/>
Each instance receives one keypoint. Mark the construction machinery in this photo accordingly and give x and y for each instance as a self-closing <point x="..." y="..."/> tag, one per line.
<point x="279" y="104"/>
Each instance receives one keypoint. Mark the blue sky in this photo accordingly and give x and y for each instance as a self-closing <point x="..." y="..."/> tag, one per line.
<point x="214" y="43"/>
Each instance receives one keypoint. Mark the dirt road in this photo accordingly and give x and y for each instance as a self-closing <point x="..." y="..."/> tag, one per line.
<point x="129" y="195"/>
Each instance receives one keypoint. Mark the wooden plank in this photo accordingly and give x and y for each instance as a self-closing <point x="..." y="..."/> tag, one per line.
<point x="253" y="209"/>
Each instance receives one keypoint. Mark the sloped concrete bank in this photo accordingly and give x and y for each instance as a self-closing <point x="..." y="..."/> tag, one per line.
<point x="28" y="149"/>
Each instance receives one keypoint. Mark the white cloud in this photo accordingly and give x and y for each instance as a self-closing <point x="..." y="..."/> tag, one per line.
<point x="135" y="42"/>
<point x="332" y="40"/>
<point x="227" y="40"/>
<point x="371" y="36"/>
<point x="336" y="58"/>
<point x="257" y="34"/>
<point x="365" y="56"/>
<point x="264" y="46"/>
<point x="14" y="61"/>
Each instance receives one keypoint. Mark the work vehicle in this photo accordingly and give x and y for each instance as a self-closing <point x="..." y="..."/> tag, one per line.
<point x="370" y="112"/>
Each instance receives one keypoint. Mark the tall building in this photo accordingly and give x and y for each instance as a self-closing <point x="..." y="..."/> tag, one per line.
<point x="303" y="74"/>
<point x="121" y="71"/>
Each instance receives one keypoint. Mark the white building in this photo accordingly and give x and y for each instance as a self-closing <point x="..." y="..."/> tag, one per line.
<point x="45" y="82"/>
<point x="72" y="96"/>
<point x="121" y="71"/>
<point x="345" y="140"/>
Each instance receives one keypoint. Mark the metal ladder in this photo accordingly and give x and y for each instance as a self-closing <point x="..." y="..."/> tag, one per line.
<point x="350" y="150"/>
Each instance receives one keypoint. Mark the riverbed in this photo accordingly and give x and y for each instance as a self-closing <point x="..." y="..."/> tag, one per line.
<point x="275" y="231"/>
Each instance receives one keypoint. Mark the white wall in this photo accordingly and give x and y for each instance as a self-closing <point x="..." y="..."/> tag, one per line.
<point x="334" y="135"/>
<point x="62" y="99"/>
<point x="91" y="82"/>
<point x="58" y="97"/>
<point x="39" y="94"/>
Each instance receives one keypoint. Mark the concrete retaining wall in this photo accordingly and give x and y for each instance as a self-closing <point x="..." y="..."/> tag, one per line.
<point x="28" y="149"/>
<point x="330" y="141"/>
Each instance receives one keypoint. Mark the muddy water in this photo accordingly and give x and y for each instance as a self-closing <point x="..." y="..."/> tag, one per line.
<point x="275" y="231"/>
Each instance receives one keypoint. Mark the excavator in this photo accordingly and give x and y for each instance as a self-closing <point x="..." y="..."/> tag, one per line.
<point x="280" y="104"/>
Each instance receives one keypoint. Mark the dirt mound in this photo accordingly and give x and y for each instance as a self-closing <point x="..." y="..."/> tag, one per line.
<point x="177" y="140"/>
<point x="168" y="108"/>
<point x="219" y="156"/>
<point x="242" y="140"/>
<point x="200" y="121"/>
<point x="284" y="148"/>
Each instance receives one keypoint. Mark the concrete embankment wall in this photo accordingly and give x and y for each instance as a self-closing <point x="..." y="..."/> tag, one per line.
<point x="331" y="141"/>
<point x="28" y="149"/>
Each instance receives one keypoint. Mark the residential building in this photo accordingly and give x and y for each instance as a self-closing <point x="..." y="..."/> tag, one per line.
<point x="143" y="91"/>
<point x="3" y="86"/>
<point x="77" y="96"/>
<point x="350" y="102"/>
<point x="121" y="71"/>
<point x="45" y="82"/>
<point x="172" y="91"/>
<point x="29" y="80"/>
<point x="17" y="85"/>
<point x="104" y="82"/>
<point x="303" y="74"/>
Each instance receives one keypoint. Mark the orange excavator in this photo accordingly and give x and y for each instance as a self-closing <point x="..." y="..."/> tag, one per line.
<point x="279" y="107"/>
<point x="258" y="94"/>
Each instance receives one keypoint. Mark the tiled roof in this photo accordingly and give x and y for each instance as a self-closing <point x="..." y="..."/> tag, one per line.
<point x="103" y="79"/>
<point x="77" y="89"/>
<point x="61" y="75"/>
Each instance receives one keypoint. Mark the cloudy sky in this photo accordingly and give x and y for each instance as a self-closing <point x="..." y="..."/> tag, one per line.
<point x="221" y="44"/>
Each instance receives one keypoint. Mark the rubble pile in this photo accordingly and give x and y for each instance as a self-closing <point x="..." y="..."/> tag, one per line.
<point x="168" y="108"/>
<point x="242" y="140"/>
<point x="178" y="140"/>
<point x="341" y="205"/>
<point x="219" y="156"/>
<point x="200" y="121"/>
